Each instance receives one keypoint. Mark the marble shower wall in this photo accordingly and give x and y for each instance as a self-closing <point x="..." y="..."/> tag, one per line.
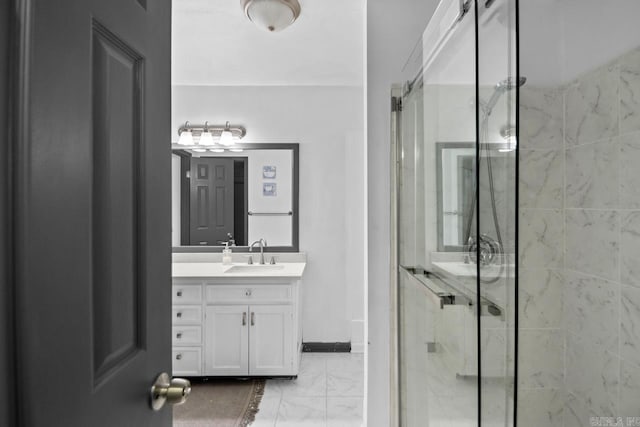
<point x="580" y="247"/>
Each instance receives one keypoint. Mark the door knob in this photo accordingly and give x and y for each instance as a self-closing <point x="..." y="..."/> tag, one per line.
<point x="167" y="389"/>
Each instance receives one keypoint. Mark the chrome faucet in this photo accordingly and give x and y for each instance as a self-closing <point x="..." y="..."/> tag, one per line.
<point x="262" y="244"/>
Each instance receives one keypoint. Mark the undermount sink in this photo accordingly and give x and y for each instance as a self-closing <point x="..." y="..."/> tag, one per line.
<point x="254" y="268"/>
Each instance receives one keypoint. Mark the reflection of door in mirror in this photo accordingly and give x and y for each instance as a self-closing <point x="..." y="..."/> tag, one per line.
<point x="213" y="200"/>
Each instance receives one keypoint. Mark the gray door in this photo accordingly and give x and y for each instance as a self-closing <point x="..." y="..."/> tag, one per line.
<point x="211" y="200"/>
<point x="92" y="213"/>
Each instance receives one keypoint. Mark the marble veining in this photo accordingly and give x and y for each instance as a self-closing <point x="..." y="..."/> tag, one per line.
<point x="544" y="365"/>
<point x="591" y="309"/>
<point x="540" y="302"/>
<point x="541" y="179"/>
<point x="541" y="238"/>
<point x="307" y="401"/>
<point x="630" y="92"/>
<point x="592" y="175"/>
<point x="591" y="106"/>
<point x="540" y="407"/>
<point x="576" y="412"/>
<point x="541" y="118"/>
<point x="630" y="325"/>
<point x="630" y="248"/>
<point x="629" y="176"/>
<point x="592" y="374"/>
<point x="592" y="242"/>
<point x="629" y="389"/>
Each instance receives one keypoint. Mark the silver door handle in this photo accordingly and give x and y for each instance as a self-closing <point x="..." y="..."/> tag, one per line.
<point x="166" y="389"/>
<point x="253" y="318"/>
<point x="244" y="318"/>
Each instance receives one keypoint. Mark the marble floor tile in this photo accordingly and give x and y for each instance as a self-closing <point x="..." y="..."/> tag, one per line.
<point x="344" y="411"/>
<point x="268" y="412"/>
<point x="302" y="411"/>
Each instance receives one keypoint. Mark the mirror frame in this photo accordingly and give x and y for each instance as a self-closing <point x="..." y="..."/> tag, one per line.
<point x="295" y="203"/>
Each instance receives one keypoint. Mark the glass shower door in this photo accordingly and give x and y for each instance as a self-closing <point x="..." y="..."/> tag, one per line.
<point x="437" y="157"/>
<point x="456" y="220"/>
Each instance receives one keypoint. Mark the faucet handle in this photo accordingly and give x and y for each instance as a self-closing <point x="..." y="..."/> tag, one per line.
<point x="273" y="260"/>
<point x="250" y="260"/>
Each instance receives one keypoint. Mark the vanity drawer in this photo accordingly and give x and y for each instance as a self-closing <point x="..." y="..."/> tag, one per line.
<point x="186" y="335"/>
<point x="248" y="293"/>
<point x="187" y="294"/>
<point x="187" y="361"/>
<point x="187" y="314"/>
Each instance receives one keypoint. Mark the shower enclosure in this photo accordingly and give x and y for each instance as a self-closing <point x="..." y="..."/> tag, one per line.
<point x="516" y="146"/>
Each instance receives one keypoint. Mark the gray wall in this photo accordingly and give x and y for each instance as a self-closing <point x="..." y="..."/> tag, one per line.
<point x="393" y="28"/>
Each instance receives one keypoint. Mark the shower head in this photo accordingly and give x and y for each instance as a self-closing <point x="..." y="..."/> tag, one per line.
<point x="500" y="88"/>
<point x="508" y="83"/>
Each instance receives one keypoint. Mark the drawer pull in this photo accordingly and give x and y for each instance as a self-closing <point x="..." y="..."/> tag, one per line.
<point x="244" y="318"/>
<point x="179" y="335"/>
<point x="178" y="356"/>
<point x="248" y="292"/>
<point x="179" y="314"/>
<point x="253" y="318"/>
<point x="179" y="293"/>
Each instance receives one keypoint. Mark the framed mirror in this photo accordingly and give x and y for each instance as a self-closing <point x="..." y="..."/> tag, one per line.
<point x="237" y="196"/>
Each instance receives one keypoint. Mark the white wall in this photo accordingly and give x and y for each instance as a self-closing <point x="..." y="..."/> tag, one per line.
<point x="328" y="123"/>
<point x="393" y="28"/>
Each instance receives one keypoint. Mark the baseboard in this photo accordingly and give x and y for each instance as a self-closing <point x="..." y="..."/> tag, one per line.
<point x="326" y="347"/>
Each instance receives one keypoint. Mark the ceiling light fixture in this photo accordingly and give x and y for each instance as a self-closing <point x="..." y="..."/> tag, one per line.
<point x="271" y="15"/>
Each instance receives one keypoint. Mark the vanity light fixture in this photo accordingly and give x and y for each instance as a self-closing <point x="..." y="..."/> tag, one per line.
<point x="271" y="15"/>
<point x="186" y="137"/>
<point x="204" y="136"/>
<point x="236" y="150"/>
<point x="226" y="137"/>
<point x="217" y="150"/>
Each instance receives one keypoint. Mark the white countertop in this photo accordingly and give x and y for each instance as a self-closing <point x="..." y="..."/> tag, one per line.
<point x="218" y="270"/>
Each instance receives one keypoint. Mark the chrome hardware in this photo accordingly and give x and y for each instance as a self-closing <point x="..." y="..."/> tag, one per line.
<point x="179" y="293"/>
<point x="165" y="389"/>
<point x="250" y="260"/>
<point x="253" y="318"/>
<point x="203" y="242"/>
<point x="179" y="356"/>
<point x="248" y="292"/>
<point x="244" y="318"/>
<point x="179" y="314"/>
<point x="179" y="335"/>
<point x="273" y="260"/>
<point x="262" y="244"/>
<point x="270" y="213"/>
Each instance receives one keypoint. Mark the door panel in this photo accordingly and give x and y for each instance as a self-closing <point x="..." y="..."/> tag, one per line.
<point x="7" y="404"/>
<point x="227" y="329"/>
<point x="270" y="344"/>
<point x="93" y="211"/>
<point x="212" y="200"/>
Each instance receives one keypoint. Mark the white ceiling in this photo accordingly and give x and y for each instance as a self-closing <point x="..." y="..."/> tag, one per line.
<point x="215" y="44"/>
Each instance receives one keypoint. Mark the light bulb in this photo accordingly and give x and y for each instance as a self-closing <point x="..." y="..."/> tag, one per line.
<point x="236" y="150"/>
<point x="186" y="138"/>
<point x="217" y="150"/>
<point x="226" y="138"/>
<point x="206" y="138"/>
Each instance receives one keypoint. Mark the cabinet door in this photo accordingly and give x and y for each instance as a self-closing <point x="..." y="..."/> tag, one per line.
<point x="271" y="340"/>
<point x="226" y="340"/>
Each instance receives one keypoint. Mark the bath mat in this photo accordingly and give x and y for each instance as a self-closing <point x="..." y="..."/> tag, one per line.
<point x="220" y="403"/>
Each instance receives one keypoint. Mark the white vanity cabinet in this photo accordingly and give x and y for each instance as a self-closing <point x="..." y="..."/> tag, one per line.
<point x="249" y="326"/>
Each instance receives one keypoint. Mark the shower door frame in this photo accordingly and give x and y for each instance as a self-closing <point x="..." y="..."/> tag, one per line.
<point x="397" y="95"/>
